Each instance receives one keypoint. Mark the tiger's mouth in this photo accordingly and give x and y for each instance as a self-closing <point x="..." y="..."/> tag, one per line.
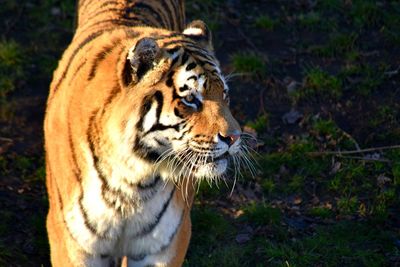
<point x="200" y="164"/>
<point x="221" y="157"/>
<point x="210" y="166"/>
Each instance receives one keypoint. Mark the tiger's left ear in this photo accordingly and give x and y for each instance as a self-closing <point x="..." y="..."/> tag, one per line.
<point x="141" y="58"/>
<point x="199" y="32"/>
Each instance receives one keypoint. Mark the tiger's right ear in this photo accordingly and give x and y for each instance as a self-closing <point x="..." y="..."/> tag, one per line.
<point x="141" y="58"/>
<point x="197" y="30"/>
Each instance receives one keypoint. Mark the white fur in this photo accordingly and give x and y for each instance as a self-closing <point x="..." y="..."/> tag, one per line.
<point x="193" y="31"/>
<point x="150" y="117"/>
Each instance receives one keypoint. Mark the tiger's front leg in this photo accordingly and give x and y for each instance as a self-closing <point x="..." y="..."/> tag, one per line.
<point x="172" y="255"/>
<point x="64" y="250"/>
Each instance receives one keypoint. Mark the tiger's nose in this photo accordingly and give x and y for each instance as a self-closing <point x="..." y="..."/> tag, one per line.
<point x="229" y="139"/>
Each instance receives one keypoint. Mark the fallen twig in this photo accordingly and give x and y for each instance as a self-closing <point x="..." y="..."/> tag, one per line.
<point x="392" y="72"/>
<point x="348" y="152"/>
<point x="365" y="159"/>
<point x="4" y="139"/>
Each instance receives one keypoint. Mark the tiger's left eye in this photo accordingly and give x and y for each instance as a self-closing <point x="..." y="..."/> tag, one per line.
<point x="191" y="101"/>
<point x="189" y="98"/>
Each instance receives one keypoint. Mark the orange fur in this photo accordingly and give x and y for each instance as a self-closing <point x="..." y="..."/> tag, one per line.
<point x="113" y="88"/>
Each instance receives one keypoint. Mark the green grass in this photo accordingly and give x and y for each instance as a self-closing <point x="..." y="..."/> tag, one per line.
<point x="259" y="124"/>
<point x="347" y="244"/>
<point x="365" y="13"/>
<point x="311" y="19"/>
<point x="321" y="212"/>
<point x="391" y="28"/>
<point x="338" y="45"/>
<point x="330" y="5"/>
<point x="248" y="63"/>
<point x="261" y="214"/>
<point x="265" y="22"/>
<point x="363" y="79"/>
<point x="325" y="127"/>
<point x="210" y="228"/>
<point x="318" y="84"/>
<point x="384" y="115"/>
<point x="11" y="67"/>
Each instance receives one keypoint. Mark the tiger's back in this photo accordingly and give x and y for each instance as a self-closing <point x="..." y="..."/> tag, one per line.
<point x="137" y="112"/>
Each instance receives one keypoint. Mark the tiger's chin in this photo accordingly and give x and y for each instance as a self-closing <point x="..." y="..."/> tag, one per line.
<point x="211" y="170"/>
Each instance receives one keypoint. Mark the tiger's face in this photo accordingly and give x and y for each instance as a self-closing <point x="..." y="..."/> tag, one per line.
<point x="184" y="123"/>
<point x="189" y="122"/>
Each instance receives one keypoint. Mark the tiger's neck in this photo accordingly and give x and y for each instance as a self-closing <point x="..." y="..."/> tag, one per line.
<point x="168" y="14"/>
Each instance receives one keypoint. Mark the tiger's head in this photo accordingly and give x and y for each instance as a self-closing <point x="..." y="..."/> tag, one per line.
<point x="177" y="106"/>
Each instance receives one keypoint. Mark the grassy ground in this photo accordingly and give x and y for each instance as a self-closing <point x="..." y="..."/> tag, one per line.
<point x="316" y="81"/>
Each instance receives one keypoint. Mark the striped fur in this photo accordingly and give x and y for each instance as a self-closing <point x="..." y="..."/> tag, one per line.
<point x="137" y="114"/>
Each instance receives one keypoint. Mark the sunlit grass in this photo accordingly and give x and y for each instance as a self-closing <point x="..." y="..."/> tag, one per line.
<point x="248" y="63"/>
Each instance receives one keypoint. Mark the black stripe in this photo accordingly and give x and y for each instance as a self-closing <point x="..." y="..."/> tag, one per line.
<point x="129" y="14"/>
<point x="173" y="50"/>
<point x="107" y="3"/>
<point x="183" y="88"/>
<point x="191" y="66"/>
<point x="62" y="209"/>
<point x="98" y="59"/>
<point x="174" y="61"/>
<point x="145" y="108"/>
<point x="160" y="142"/>
<point x="172" y="35"/>
<point x="175" y="94"/>
<point x="86" y="220"/>
<point x="177" y="113"/>
<point x="77" y="172"/>
<point x="209" y="62"/>
<point x="178" y="41"/>
<point x="80" y="3"/>
<point x="159" y="126"/>
<point x="150" y="11"/>
<point x="205" y="84"/>
<point x="184" y="133"/>
<point x="153" y="183"/>
<point x="83" y="5"/>
<point x="114" y="92"/>
<point x="194" y="77"/>
<point x="90" y="138"/>
<point x="151" y="226"/>
<point x="98" y="13"/>
<point x="171" y="15"/>
<point x="185" y="58"/>
<point x="197" y="48"/>
<point x="160" y="102"/>
<point x="179" y="16"/>
<point x="113" y="198"/>
<point x="201" y="55"/>
<point x="76" y="169"/>
<point x="77" y="71"/>
<point x="162" y="127"/>
<point x="170" y="81"/>
<point x="163" y="247"/>
<point x="130" y="22"/>
<point x="144" y="152"/>
<point x="87" y="40"/>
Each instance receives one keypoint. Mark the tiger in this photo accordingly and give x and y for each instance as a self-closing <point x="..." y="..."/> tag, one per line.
<point x="137" y="115"/>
